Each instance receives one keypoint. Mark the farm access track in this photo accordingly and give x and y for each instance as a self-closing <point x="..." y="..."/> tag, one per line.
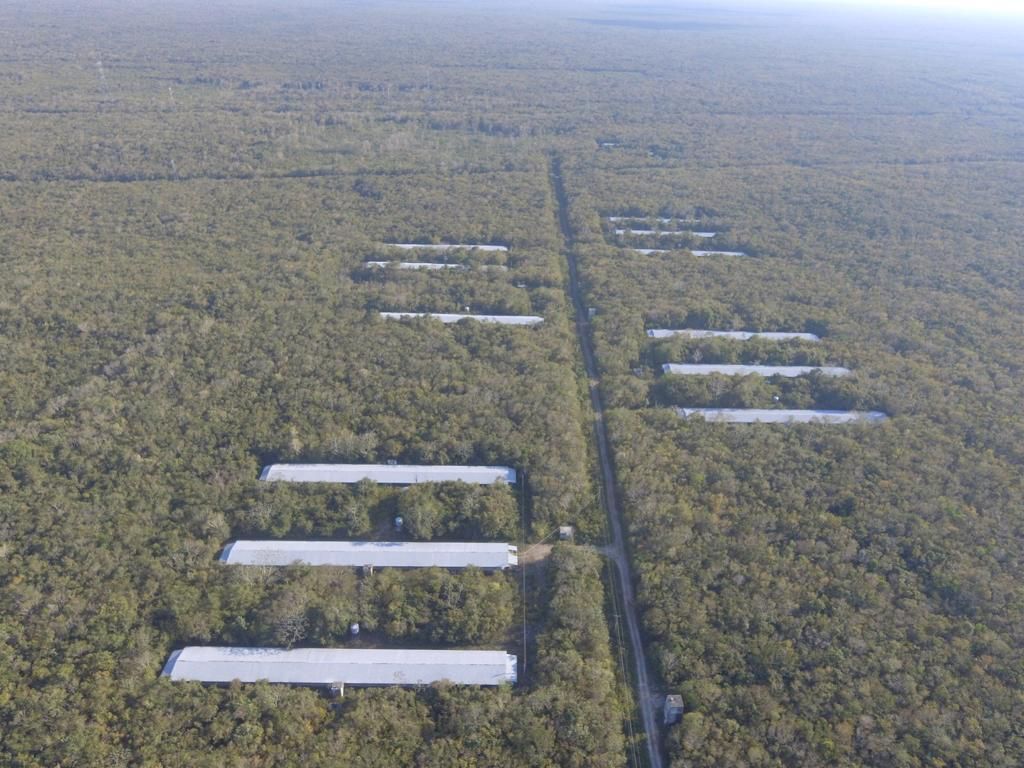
<point x="623" y="596"/>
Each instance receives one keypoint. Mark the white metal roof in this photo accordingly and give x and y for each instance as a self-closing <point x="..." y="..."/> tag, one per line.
<point x="664" y="232"/>
<point x="663" y="333"/>
<point x="788" y="371"/>
<point x="329" y="666"/>
<point x="646" y="251"/>
<point x="446" y="246"/>
<point x="754" y="415"/>
<point x="388" y="474"/>
<point x="659" y="219"/>
<point x="381" y="554"/>
<point x="414" y="265"/>
<point x="446" y="317"/>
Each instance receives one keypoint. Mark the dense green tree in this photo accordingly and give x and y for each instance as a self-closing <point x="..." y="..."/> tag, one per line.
<point x="187" y="202"/>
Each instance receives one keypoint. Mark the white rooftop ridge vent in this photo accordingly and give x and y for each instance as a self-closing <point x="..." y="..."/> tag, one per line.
<point x="340" y="666"/>
<point x="386" y="474"/>
<point x="414" y="265"/>
<point x="447" y="247"/>
<point x="665" y="333"/>
<point x="449" y="317"/>
<point x="379" y="554"/>
<point x="663" y="232"/>
<point x="789" y="371"/>
<point x="772" y="416"/>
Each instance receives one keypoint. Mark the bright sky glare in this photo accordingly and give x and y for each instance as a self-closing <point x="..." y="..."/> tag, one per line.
<point x="973" y="7"/>
<point x="1005" y="9"/>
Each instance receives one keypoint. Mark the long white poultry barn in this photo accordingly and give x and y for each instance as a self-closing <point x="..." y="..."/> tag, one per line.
<point x="340" y="666"/>
<point x="449" y="318"/>
<point x="664" y="232"/>
<point x="659" y="219"/>
<point x="380" y="554"/>
<point x="692" y="333"/>
<point x="446" y="247"/>
<point x="772" y="416"/>
<point x="648" y="251"/>
<point x="430" y="265"/>
<point x="789" y="371"/>
<point x="386" y="474"/>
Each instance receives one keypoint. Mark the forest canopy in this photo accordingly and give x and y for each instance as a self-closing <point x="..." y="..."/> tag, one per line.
<point x="189" y="194"/>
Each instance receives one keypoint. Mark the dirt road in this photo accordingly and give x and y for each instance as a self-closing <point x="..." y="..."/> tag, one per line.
<point x="616" y="548"/>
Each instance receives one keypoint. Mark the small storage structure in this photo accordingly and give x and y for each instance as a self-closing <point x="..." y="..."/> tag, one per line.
<point x="673" y="710"/>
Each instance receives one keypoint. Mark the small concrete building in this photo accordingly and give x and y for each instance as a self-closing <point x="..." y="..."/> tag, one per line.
<point x="673" y="709"/>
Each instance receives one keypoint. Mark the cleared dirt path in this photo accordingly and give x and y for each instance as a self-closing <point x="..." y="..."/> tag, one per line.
<point x="616" y="549"/>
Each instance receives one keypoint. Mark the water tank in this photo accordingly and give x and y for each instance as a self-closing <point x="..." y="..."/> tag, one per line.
<point x="354" y="628"/>
<point x="399" y="522"/>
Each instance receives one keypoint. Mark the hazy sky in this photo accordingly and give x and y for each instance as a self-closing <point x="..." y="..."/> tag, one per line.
<point x="1001" y="7"/>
